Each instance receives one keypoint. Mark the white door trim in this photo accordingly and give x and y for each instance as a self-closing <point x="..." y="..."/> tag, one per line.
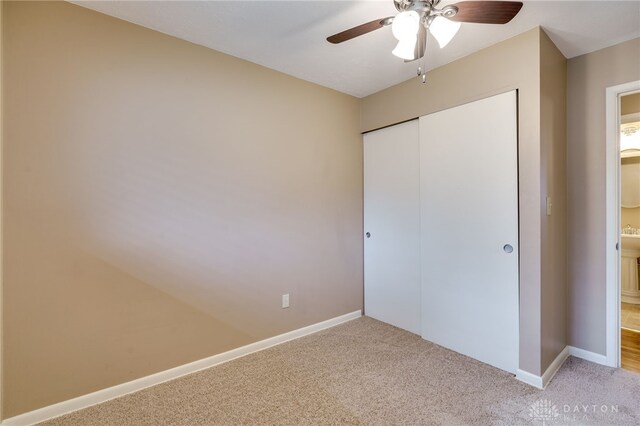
<point x="613" y="218"/>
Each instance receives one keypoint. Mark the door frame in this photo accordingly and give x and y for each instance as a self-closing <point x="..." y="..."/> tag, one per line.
<point x="612" y="266"/>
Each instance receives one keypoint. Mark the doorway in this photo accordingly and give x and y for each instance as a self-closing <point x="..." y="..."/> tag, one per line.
<point x="629" y="141"/>
<point x="614" y="225"/>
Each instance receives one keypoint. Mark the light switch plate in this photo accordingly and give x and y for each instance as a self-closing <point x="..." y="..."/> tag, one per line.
<point x="548" y="206"/>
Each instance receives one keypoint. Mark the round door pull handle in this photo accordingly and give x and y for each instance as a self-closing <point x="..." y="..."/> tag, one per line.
<point x="368" y="234"/>
<point x="508" y="248"/>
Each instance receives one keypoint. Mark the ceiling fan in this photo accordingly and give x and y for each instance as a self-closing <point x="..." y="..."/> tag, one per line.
<point x="416" y="17"/>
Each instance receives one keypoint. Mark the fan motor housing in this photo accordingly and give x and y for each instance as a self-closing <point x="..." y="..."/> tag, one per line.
<point x="426" y="9"/>
<point x="417" y="5"/>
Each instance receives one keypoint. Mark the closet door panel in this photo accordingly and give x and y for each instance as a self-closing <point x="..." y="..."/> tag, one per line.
<point x="392" y="221"/>
<point x="469" y="229"/>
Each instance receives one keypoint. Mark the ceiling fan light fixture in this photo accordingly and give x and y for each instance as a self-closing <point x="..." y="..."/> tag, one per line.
<point x="417" y="17"/>
<point x="630" y="136"/>
<point x="406" y="25"/>
<point x="443" y="30"/>
<point x="406" y="49"/>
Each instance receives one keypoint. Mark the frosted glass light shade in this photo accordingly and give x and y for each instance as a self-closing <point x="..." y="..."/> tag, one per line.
<point x="630" y="136"/>
<point x="405" y="25"/>
<point x="443" y="30"/>
<point x="406" y="48"/>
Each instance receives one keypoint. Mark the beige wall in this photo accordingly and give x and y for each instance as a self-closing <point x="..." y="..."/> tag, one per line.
<point x="512" y="64"/>
<point x="588" y="77"/>
<point x="159" y="198"/>
<point x="630" y="104"/>
<point x="630" y="217"/>
<point x="553" y="184"/>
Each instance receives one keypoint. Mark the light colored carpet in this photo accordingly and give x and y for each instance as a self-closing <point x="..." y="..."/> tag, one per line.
<point x="369" y="373"/>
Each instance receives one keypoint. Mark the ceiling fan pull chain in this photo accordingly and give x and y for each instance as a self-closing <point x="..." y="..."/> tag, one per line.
<point x="422" y="74"/>
<point x="422" y="70"/>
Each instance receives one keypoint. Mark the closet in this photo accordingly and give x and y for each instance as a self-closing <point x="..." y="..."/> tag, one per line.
<point x="441" y="228"/>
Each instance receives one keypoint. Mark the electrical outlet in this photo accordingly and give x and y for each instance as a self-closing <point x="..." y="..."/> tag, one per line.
<point x="285" y="300"/>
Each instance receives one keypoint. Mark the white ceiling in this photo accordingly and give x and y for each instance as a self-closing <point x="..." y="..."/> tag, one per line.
<point x="290" y="36"/>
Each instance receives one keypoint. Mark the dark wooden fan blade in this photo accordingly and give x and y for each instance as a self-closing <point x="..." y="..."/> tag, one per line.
<point x="359" y="30"/>
<point x="486" y="12"/>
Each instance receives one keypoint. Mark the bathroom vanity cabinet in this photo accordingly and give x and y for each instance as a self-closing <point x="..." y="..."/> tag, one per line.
<point x="630" y="284"/>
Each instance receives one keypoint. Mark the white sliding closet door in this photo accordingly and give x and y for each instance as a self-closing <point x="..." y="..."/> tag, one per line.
<point x="392" y="225"/>
<point x="469" y="222"/>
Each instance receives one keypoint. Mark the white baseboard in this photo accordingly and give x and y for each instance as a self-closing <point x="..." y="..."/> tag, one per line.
<point x="587" y="355"/>
<point x="104" y="395"/>
<point x="541" y="382"/>
<point x="530" y="379"/>
<point x="555" y="366"/>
